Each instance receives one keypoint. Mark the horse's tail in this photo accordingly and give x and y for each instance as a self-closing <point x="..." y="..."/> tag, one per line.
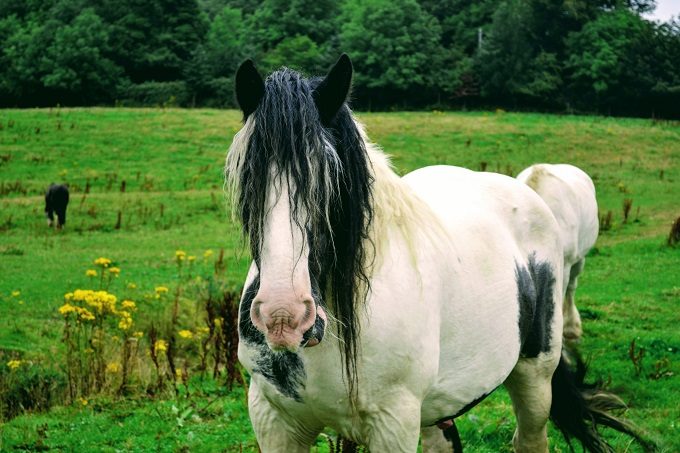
<point x="578" y="408"/>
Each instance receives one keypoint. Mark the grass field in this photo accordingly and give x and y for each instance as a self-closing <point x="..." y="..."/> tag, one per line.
<point x="160" y="172"/>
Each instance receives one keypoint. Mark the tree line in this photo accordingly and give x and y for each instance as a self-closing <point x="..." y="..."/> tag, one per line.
<point x="559" y="55"/>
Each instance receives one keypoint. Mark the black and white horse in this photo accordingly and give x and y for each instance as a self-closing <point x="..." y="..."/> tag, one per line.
<point x="378" y="305"/>
<point x="56" y="202"/>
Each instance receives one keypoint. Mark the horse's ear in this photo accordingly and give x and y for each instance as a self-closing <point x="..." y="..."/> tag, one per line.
<point x="249" y="88"/>
<point x="333" y="90"/>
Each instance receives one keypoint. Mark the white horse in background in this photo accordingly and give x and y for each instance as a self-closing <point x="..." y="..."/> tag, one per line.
<point x="570" y="194"/>
<point x="379" y="306"/>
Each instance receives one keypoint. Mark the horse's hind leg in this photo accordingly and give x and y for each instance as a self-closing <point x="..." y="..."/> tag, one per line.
<point x="572" y="319"/>
<point x="529" y="386"/>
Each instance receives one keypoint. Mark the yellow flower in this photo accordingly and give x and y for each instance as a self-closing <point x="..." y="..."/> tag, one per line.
<point x="103" y="262"/>
<point x="160" y="346"/>
<point x="207" y="254"/>
<point x="161" y="290"/>
<point x="66" y="309"/>
<point x="68" y="296"/>
<point x="16" y="293"/>
<point x="179" y="373"/>
<point x="114" y="270"/>
<point x="14" y="364"/>
<point x="132" y="286"/>
<point x="91" y="273"/>
<point x="125" y="320"/>
<point x="129" y="305"/>
<point x="186" y="334"/>
<point x="84" y="314"/>
<point x="113" y="368"/>
<point x="138" y="334"/>
<point x="180" y="255"/>
<point x="82" y="401"/>
<point x="191" y="258"/>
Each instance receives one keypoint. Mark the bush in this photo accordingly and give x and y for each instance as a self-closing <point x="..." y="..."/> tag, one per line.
<point x="167" y="94"/>
<point x="28" y="387"/>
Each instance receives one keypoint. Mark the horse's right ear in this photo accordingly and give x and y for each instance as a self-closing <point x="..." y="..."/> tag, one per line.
<point x="333" y="90"/>
<point x="249" y="88"/>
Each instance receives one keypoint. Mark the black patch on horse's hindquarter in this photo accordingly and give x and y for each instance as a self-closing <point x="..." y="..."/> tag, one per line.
<point x="284" y="370"/>
<point x="535" y="284"/>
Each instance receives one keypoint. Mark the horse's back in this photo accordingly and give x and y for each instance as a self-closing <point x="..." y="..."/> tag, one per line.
<point x="465" y="199"/>
<point x="570" y="194"/>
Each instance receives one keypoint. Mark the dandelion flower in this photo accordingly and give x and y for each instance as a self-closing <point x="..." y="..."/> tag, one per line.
<point x="91" y="273"/>
<point x="113" y="367"/>
<point x="207" y="254"/>
<point x="66" y="309"/>
<point x="161" y="290"/>
<point x="125" y="321"/>
<point x="84" y="314"/>
<point x="160" y="346"/>
<point x="180" y="255"/>
<point x="188" y="334"/>
<point x="103" y="262"/>
<point x="138" y="334"/>
<point x="16" y="293"/>
<point x="82" y="401"/>
<point x="129" y="305"/>
<point x="131" y="286"/>
<point x="191" y="258"/>
<point x="14" y="364"/>
<point x="115" y="271"/>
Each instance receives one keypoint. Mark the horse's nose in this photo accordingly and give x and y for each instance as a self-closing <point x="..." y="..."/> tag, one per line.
<point x="283" y="320"/>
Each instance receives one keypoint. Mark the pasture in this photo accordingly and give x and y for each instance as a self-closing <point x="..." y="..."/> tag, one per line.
<point x="146" y="183"/>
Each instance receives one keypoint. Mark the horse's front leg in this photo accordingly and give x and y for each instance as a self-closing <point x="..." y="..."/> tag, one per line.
<point x="274" y="433"/>
<point x="395" y="427"/>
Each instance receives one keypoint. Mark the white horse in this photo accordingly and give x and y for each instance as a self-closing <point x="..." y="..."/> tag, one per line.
<point x="377" y="305"/>
<point x="570" y="194"/>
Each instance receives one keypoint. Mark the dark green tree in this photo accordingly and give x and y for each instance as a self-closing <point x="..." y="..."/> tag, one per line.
<point x="75" y="65"/>
<point x="620" y="60"/>
<point x="392" y="44"/>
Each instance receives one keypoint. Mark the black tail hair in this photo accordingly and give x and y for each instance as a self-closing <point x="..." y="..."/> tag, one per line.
<point x="578" y="408"/>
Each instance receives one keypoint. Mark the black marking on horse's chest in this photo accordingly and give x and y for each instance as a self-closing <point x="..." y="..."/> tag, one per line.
<point x="285" y="370"/>
<point x="535" y="284"/>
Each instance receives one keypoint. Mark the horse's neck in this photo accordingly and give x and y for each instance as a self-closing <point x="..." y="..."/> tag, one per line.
<point x="398" y="213"/>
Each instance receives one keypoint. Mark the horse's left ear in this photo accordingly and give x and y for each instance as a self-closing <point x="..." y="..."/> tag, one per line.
<point x="249" y="88"/>
<point x="333" y="90"/>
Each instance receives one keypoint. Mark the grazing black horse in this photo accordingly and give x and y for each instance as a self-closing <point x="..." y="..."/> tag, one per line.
<point x="56" y="201"/>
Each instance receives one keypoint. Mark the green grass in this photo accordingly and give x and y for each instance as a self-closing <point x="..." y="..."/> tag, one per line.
<point x="171" y="162"/>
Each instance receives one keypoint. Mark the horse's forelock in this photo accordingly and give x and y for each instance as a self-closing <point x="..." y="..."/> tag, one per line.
<point x="327" y="170"/>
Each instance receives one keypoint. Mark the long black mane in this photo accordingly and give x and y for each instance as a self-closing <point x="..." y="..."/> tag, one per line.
<point x="326" y="168"/>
